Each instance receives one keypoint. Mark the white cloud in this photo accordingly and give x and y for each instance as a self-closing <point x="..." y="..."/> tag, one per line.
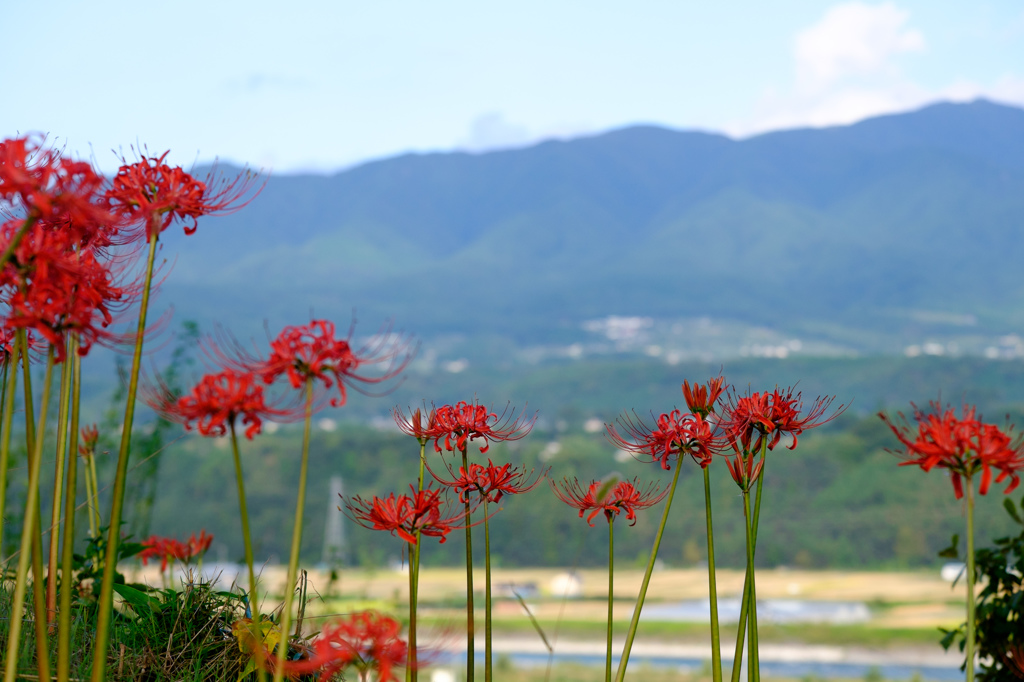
<point x="1008" y="88"/>
<point x="846" y="69"/>
<point x="853" y="39"/>
<point x="492" y="131"/>
<point x="838" y="106"/>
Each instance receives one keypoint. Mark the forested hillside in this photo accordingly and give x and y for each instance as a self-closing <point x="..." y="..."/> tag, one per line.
<point x="838" y="500"/>
<point x="861" y="227"/>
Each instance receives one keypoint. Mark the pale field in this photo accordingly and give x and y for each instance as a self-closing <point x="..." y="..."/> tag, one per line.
<point x="898" y="599"/>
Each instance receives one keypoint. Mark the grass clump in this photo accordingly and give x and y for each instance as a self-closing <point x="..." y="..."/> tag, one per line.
<point x="158" y="634"/>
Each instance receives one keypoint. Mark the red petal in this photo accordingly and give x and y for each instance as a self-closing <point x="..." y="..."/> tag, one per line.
<point x="958" y="489"/>
<point x="986" y="479"/>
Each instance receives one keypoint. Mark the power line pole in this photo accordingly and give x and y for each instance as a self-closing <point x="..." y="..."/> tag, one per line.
<point x="334" y="530"/>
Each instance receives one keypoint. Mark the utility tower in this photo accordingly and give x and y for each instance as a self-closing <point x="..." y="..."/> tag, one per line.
<point x="334" y="530"/>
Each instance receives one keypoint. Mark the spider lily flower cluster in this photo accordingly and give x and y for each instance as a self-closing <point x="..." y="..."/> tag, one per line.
<point x="719" y="424"/>
<point x="310" y="358"/>
<point x="70" y="271"/>
<point x="487" y="483"/>
<point x="453" y="430"/>
<point x="421" y="512"/>
<point x="216" y="402"/>
<point x="965" y="446"/>
<point x="366" y="641"/>
<point x="72" y="267"/>
<point x="612" y="497"/>
<point x="170" y="549"/>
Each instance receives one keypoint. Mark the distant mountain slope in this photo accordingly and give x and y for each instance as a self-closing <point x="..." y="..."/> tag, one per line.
<point x="922" y="210"/>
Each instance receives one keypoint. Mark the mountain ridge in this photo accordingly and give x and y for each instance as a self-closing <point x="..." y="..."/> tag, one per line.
<point x="921" y="210"/>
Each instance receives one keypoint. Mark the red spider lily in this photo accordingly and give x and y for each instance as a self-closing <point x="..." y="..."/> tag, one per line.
<point x="489" y="482"/>
<point x="55" y="285"/>
<point x="154" y="195"/>
<point x="169" y="549"/>
<point x="215" y="403"/>
<point x="742" y="468"/>
<point x="768" y="416"/>
<point x="165" y="549"/>
<point x="7" y="339"/>
<point x="90" y="436"/>
<point x="312" y="351"/>
<point x="701" y="398"/>
<point x="963" y="445"/>
<point x="365" y="640"/>
<point x="6" y="344"/>
<point x="628" y="496"/>
<point x="48" y="187"/>
<point x="414" y="426"/>
<point x="405" y="515"/>
<point x="675" y="434"/>
<point x="53" y="291"/>
<point x="198" y="546"/>
<point x="608" y="497"/>
<point x="99" y="237"/>
<point x="464" y="422"/>
<point x="772" y="415"/>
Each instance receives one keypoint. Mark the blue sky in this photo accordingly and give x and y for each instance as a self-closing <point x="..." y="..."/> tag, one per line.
<point x="323" y="85"/>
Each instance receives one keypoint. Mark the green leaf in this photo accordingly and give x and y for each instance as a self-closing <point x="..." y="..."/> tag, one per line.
<point x="129" y="549"/>
<point x="141" y="603"/>
<point x="951" y="552"/>
<point x="1012" y="510"/>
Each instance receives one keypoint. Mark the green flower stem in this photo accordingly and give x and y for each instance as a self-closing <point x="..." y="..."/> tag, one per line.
<point x="411" y="671"/>
<point x="750" y="594"/>
<point x="254" y="602"/>
<point x="293" y="559"/>
<point x="67" y="554"/>
<point x="414" y="637"/>
<point x="5" y="434"/>
<point x="106" y="599"/>
<point x="745" y="600"/>
<point x="470" y="620"/>
<point x="611" y="597"/>
<point x="4" y="393"/>
<point x="58" y="489"/>
<point x="18" y="236"/>
<point x="423" y="464"/>
<point x="631" y="635"/>
<point x="414" y="551"/>
<point x="487" y="596"/>
<point x="10" y="384"/>
<point x="89" y="501"/>
<point x="755" y="660"/>
<point x="38" y="592"/>
<point x="30" y="419"/>
<point x="95" y="522"/>
<point x="716" y="648"/>
<point x="741" y="631"/>
<point x="969" y="649"/>
<point x="29" y="533"/>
